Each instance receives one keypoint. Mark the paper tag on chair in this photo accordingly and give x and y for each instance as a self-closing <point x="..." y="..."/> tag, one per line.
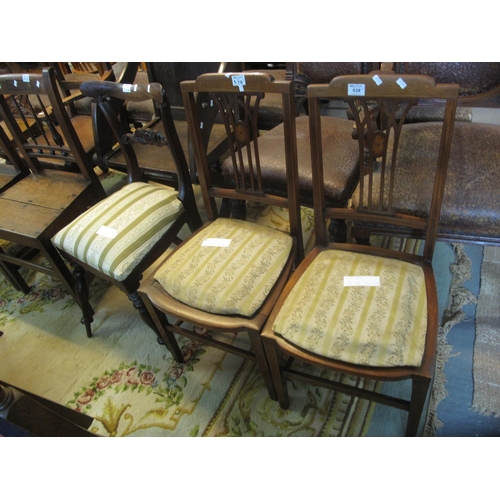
<point x="356" y="89"/>
<point x="361" y="280"/>
<point x="239" y="81"/>
<point x="216" y="242"/>
<point x="107" y="232"/>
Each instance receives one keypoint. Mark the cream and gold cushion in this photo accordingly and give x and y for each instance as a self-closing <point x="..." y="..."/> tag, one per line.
<point x="226" y="280"/>
<point x="369" y="325"/>
<point x="115" y="234"/>
<point x="278" y="218"/>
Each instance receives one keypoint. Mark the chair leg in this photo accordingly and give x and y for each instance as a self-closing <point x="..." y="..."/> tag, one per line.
<point x="279" y="382"/>
<point x="82" y="291"/>
<point x="261" y="359"/>
<point x="158" y="322"/>
<point x="138" y="303"/>
<point x="420" y="387"/>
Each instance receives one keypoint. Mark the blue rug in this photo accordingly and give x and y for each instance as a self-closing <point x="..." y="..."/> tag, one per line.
<point x="455" y="411"/>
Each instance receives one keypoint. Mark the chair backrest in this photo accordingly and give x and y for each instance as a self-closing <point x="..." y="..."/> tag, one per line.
<point x="236" y="97"/>
<point x="105" y="95"/>
<point x="306" y="73"/>
<point x="45" y="135"/>
<point x="379" y="104"/>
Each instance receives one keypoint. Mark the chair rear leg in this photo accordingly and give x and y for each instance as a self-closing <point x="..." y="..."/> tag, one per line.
<point x="158" y="322"/>
<point x="420" y="388"/>
<point x="279" y="382"/>
<point x="261" y="359"/>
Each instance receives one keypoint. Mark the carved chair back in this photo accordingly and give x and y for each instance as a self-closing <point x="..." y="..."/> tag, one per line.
<point x="105" y="94"/>
<point x="236" y="99"/>
<point x="379" y="105"/>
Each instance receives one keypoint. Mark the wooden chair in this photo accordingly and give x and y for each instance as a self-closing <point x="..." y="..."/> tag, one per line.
<point x="11" y="171"/>
<point x="78" y="107"/>
<point x="43" y="201"/>
<point x="226" y="277"/>
<point x="120" y="237"/>
<point x="354" y="309"/>
<point x="157" y="164"/>
<point x="471" y="201"/>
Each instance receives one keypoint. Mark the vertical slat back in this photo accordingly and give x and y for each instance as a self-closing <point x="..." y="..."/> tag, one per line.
<point x="379" y="105"/>
<point x="237" y="97"/>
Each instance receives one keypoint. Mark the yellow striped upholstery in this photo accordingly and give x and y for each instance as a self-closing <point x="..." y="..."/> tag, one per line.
<point x="139" y="214"/>
<point x="232" y="280"/>
<point x="367" y="325"/>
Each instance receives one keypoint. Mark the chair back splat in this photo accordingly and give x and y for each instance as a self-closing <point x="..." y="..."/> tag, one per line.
<point x="379" y="123"/>
<point x="360" y="310"/>
<point x="224" y="280"/>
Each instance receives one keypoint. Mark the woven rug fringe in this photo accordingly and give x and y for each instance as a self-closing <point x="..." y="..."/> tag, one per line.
<point x="453" y="314"/>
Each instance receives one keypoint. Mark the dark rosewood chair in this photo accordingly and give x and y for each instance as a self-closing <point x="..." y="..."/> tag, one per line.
<point x="157" y="164"/>
<point x="120" y="237"/>
<point x="354" y="309"/>
<point x="226" y="277"/>
<point x="44" y="200"/>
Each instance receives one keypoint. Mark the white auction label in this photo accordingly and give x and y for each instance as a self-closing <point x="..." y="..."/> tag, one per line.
<point x="216" y="242"/>
<point x="377" y="80"/>
<point x="401" y="83"/>
<point x="355" y="89"/>
<point x="239" y="81"/>
<point x="361" y="280"/>
<point x="107" y="232"/>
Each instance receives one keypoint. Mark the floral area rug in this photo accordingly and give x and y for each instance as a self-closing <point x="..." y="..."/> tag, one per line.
<point x="130" y="384"/>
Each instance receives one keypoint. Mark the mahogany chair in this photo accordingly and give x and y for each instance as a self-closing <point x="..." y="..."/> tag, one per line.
<point x="44" y="200"/>
<point x="354" y="309"/>
<point x="226" y="277"/>
<point x="120" y="237"/>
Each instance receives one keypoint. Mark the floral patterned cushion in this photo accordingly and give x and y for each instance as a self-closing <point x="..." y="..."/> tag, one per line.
<point x="369" y="325"/>
<point x="115" y="234"/>
<point x="278" y="218"/>
<point x="233" y="279"/>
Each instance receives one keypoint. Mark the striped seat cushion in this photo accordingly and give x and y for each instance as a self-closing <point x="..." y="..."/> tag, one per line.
<point x="233" y="279"/>
<point x="115" y="234"/>
<point x="368" y="325"/>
